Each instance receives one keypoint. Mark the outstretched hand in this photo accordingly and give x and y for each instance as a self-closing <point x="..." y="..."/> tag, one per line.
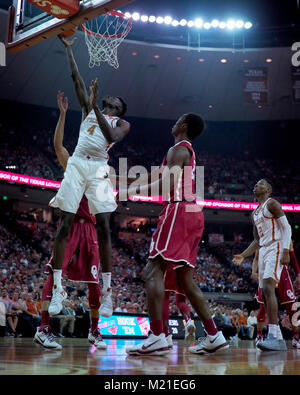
<point x="67" y="43"/>
<point x="94" y="92"/>
<point x="62" y="103"/>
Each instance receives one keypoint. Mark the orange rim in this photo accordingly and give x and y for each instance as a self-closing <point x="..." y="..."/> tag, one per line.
<point x="116" y="13"/>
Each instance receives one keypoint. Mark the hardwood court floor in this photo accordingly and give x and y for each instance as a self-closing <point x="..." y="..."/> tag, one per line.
<point x="23" y="357"/>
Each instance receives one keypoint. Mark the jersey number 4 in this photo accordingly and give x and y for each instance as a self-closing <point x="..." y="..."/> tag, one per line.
<point x="91" y="130"/>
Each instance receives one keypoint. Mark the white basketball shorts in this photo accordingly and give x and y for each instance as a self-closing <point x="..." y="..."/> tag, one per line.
<point x="89" y="177"/>
<point x="269" y="265"/>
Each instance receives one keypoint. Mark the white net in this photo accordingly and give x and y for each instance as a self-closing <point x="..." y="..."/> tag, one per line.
<point x="103" y="35"/>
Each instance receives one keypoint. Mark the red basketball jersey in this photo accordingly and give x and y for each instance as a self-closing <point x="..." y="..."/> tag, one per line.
<point x="181" y="222"/>
<point x="184" y="190"/>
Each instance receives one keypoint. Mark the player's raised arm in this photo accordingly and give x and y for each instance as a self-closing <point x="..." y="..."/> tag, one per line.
<point x="79" y="84"/>
<point x="239" y="258"/>
<point x="275" y="208"/>
<point x="112" y="135"/>
<point x="61" y="152"/>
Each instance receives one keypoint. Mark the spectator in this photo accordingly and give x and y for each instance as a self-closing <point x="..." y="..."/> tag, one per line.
<point x="218" y="319"/>
<point x="7" y="304"/>
<point x="252" y="324"/>
<point x="229" y="329"/>
<point x="16" y="310"/>
<point x="66" y="319"/>
<point x="30" y="318"/>
<point x="2" y="319"/>
<point x="244" y="330"/>
<point x="121" y="308"/>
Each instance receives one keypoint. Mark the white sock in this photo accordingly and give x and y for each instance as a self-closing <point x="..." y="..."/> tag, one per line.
<point x="279" y="334"/>
<point x="273" y="330"/>
<point x="57" y="277"/>
<point x="106" y="278"/>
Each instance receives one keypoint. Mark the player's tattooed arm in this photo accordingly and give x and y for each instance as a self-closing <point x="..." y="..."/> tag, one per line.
<point x="79" y="84"/>
<point x="112" y="135"/>
<point x="239" y="258"/>
<point x="61" y="152"/>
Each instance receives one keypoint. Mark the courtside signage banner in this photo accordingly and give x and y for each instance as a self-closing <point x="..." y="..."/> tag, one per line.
<point x="131" y="326"/>
<point x="222" y="204"/>
<point x="118" y="325"/>
<point x="28" y="180"/>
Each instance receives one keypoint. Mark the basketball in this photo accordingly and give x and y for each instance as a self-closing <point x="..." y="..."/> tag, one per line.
<point x="69" y="33"/>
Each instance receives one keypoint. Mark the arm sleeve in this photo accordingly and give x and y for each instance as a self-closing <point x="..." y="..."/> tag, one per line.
<point x="286" y="231"/>
<point x="294" y="262"/>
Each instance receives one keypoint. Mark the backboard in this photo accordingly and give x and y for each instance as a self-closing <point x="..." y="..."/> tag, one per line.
<point x="28" y="25"/>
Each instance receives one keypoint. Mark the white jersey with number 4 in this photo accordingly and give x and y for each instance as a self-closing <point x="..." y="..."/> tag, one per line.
<point x="266" y="225"/>
<point x="91" y="141"/>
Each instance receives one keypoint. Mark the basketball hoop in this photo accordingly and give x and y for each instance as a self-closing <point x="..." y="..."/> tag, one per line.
<point x="103" y="35"/>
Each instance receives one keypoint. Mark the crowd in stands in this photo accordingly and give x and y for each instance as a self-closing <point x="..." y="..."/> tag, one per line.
<point x="23" y="160"/>
<point x="225" y="177"/>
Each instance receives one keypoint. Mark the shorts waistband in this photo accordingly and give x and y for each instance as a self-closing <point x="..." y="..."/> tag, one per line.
<point x="89" y="157"/>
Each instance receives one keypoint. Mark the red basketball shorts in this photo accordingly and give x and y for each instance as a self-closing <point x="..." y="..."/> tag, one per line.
<point x="81" y="260"/>
<point x="177" y="236"/>
<point x="286" y="291"/>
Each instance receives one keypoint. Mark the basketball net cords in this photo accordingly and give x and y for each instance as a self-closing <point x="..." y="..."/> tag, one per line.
<point x="101" y="48"/>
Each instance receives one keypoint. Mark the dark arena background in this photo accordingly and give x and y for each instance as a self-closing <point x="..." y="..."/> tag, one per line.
<point x="237" y="63"/>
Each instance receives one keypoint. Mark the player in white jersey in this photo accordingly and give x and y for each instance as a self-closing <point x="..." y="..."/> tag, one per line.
<point x="272" y="235"/>
<point x="87" y="173"/>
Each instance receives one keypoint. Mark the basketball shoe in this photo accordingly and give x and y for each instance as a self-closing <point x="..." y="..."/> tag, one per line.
<point x="95" y="338"/>
<point x="296" y="342"/>
<point x="153" y="345"/>
<point x="210" y="344"/>
<point x="58" y="296"/>
<point x="258" y="339"/>
<point x="169" y="341"/>
<point x="271" y="344"/>
<point x="46" y="339"/>
<point x="106" y="308"/>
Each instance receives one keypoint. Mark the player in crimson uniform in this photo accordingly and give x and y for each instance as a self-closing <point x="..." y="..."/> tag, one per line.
<point x="172" y="286"/>
<point x="175" y="241"/>
<point x="286" y="295"/>
<point x="81" y="259"/>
